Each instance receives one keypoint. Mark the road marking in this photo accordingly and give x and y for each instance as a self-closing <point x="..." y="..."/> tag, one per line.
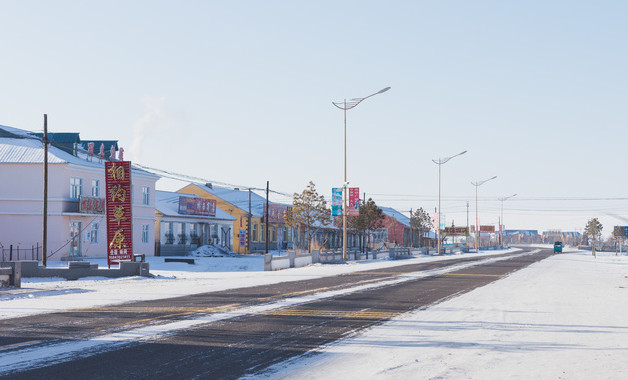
<point x="27" y="343"/>
<point x="472" y="274"/>
<point x="285" y="295"/>
<point x="376" y="273"/>
<point x="329" y="313"/>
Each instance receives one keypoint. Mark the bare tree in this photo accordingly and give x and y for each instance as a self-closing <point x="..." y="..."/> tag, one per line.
<point x="308" y="209"/>
<point x="421" y="221"/>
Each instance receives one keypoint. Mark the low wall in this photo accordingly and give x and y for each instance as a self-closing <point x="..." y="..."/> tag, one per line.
<point x="10" y="274"/>
<point x="79" y="269"/>
<point x="294" y="260"/>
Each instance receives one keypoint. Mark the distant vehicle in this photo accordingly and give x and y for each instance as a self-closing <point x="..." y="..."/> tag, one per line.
<point x="558" y="247"/>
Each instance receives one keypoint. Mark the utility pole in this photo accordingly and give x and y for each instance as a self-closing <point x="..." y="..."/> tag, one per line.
<point x="266" y="216"/>
<point x="248" y="228"/>
<point x="467" y="224"/>
<point x="411" y="231"/>
<point x="45" y="237"/>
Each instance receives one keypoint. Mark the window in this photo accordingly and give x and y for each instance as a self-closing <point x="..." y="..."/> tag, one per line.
<point x="145" y="195"/>
<point x="254" y="233"/>
<point x="145" y="233"/>
<point x="169" y="232"/>
<point x="95" y="188"/>
<point x="93" y="235"/>
<point x="262" y="236"/>
<point x="76" y="185"/>
<point x="132" y="192"/>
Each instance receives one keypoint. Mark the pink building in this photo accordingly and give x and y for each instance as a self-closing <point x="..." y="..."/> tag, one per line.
<point x="76" y="190"/>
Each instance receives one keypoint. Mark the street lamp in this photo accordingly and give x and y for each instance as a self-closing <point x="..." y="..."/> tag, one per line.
<point x="347" y="105"/>
<point x="501" y="221"/>
<point x="439" y="162"/>
<point x="477" y="227"/>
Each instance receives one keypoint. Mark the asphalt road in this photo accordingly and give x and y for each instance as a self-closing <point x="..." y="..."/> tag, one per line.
<point x="235" y="332"/>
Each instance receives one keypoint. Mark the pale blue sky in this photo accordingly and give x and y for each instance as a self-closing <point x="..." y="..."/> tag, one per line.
<point x="241" y="92"/>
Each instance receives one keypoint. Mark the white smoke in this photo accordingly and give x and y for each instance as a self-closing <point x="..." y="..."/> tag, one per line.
<point x="155" y="118"/>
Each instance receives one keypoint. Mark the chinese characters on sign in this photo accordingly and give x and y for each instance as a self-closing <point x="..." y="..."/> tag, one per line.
<point x="118" y="207"/>
<point x="197" y="206"/>
<point x="242" y="236"/>
<point x="353" y="203"/>
<point x="276" y="212"/>
<point x="353" y="208"/>
<point x="489" y="229"/>
<point x="91" y="205"/>
<point x="456" y="231"/>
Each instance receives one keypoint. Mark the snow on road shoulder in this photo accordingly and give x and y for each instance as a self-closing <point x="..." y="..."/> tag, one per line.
<point x="562" y="318"/>
<point x="209" y="274"/>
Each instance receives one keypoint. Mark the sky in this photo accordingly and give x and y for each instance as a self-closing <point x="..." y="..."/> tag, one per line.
<point x="241" y="92"/>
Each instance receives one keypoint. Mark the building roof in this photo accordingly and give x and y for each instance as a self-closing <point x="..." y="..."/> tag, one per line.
<point x="392" y="213"/>
<point x="168" y="204"/>
<point x="238" y="198"/>
<point x="25" y="148"/>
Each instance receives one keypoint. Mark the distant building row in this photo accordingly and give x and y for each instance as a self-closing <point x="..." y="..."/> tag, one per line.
<point x="164" y="223"/>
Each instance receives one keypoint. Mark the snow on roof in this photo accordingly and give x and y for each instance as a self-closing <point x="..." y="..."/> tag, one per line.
<point x="14" y="132"/>
<point x="25" y="148"/>
<point x="392" y="213"/>
<point x="29" y="151"/>
<point x="240" y="199"/>
<point x="168" y="204"/>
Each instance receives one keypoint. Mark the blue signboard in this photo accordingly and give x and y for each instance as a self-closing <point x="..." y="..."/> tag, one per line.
<point x="336" y="201"/>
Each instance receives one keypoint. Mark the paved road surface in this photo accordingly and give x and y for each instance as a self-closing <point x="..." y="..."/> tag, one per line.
<point x="228" y="334"/>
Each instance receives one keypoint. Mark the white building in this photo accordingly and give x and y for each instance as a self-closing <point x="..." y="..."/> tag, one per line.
<point x="72" y="230"/>
<point x="179" y="232"/>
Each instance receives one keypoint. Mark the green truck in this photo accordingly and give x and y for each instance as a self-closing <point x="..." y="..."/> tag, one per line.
<point x="558" y="247"/>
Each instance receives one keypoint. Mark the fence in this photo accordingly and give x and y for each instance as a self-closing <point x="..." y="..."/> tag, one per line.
<point x="17" y="253"/>
<point x="294" y="260"/>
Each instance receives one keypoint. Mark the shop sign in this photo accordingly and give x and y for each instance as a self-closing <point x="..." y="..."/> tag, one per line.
<point x="197" y="206"/>
<point x="91" y="205"/>
<point x="118" y="212"/>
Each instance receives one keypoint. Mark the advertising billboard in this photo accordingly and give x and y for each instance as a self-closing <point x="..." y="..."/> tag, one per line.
<point x="276" y="212"/>
<point x="456" y="231"/>
<point x="489" y="229"/>
<point x="353" y="208"/>
<point x="118" y="212"/>
<point x="620" y="231"/>
<point x="336" y="201"/>
<point x="197" y="206"/>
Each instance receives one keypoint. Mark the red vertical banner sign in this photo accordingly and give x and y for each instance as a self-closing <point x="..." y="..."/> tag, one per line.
<point x="119" y="218"/>
<point x="354" y="202"/>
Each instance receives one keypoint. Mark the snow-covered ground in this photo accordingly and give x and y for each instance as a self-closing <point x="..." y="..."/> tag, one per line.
<point x="40" y="295"/>
<point x="562" y="318"/>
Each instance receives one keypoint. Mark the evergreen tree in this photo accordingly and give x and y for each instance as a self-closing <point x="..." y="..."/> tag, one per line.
<point x="593" y="230"/>
<point x="308" y="209"/>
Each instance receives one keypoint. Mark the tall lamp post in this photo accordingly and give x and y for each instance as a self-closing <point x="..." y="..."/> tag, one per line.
<point x="477" y="227"/>
<point x="440" y="162"/>
<point x="347" y="105"/>
<point x="501" y="220"/>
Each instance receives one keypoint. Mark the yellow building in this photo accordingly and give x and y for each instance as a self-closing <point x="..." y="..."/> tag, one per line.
<point x="237" y="203"/>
